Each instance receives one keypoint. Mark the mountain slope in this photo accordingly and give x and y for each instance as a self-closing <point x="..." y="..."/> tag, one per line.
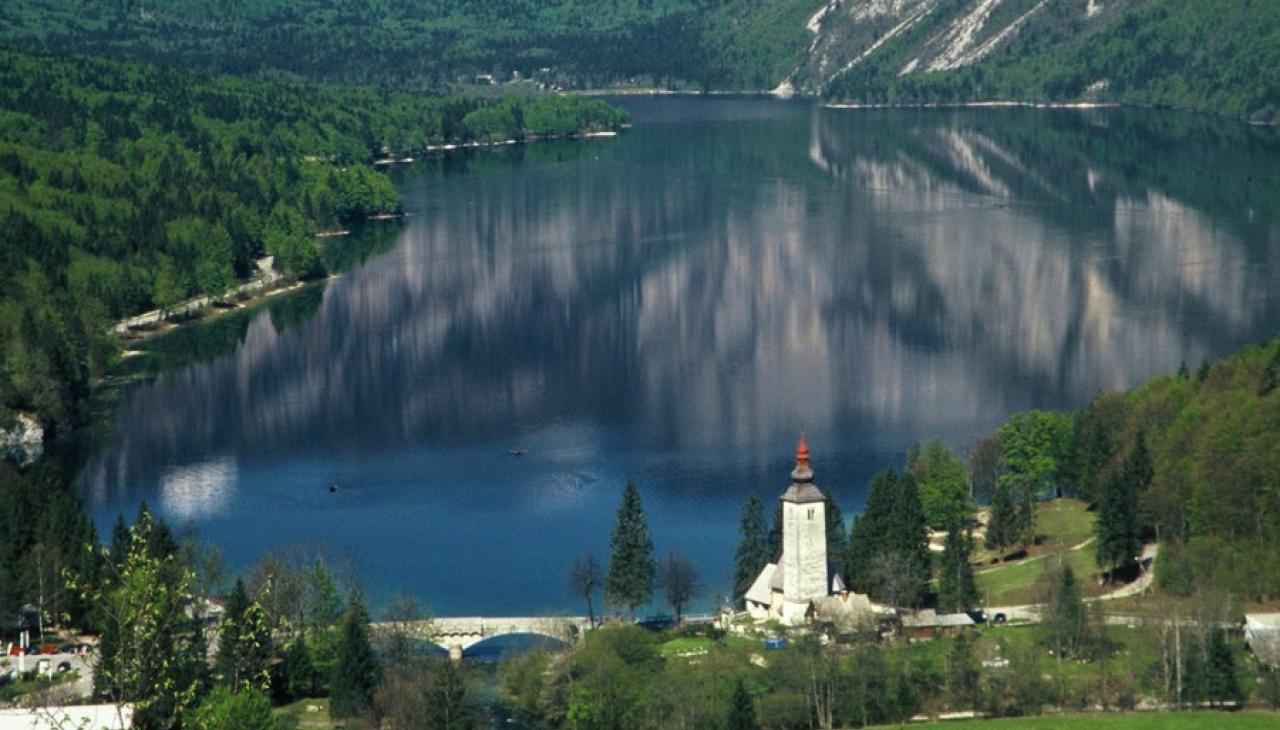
<point x="1203" y="55"/>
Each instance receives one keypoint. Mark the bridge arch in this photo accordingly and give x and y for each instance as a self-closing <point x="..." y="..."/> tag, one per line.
<point x="458" y="634"/>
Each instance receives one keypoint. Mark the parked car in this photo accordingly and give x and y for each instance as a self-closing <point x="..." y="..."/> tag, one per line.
<point x="999" y="618"/>
<point x="64" y="666"/>
<point x="15" y="650"/>
<point x="48" y="649"/>
<point x="33" y="650"/>
<point x="67" y="649"/>
<point x="776" y="642"/>
<point x="83" y="648"/>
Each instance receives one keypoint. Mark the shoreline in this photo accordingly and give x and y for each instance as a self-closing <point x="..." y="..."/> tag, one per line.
<point x="982" y="105"/>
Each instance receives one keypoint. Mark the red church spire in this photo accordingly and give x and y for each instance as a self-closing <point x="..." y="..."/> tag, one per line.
<point x="802" y="473"/>
<point x="802" y="454"/>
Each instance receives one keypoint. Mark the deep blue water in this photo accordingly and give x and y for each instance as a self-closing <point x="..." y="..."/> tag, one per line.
<point x="674" y="306"/>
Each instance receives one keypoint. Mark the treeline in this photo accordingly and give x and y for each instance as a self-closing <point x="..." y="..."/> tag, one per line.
<point x="625" y="677"/>
<point x="127" y="187"/>
<point x="431" y="43"/>
<point x="1201" y="55"/>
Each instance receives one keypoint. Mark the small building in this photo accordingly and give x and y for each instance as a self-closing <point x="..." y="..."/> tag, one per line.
<point x="1262" y="634"/>
<point x="928" y="624"/>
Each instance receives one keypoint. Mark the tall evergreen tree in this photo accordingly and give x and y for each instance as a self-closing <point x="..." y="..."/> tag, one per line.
<point x="836" y="537"/>
<point x="742" y="709"/>
<point x="1222" y="682"/>
<point x="1117" y="526"/>
<point x="324" y="603"/>
<point x="1066" y="619"/>
<point x="299" y="673"/>
<point x="356" y="673"/>
<point x="956" y="589"/>
<point x="632" y="568"/>
<point x="753" y="550"/>
<point x="868" y="533"/>
<point x="1002" y="525"/>
<point x="775" y="534"/>
<point x="909" y="539"/>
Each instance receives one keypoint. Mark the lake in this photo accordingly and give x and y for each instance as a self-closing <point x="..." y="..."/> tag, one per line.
<point x="675" y="306"/>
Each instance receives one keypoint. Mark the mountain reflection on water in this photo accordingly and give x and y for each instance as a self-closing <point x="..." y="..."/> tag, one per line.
<point x="675" y="305"/>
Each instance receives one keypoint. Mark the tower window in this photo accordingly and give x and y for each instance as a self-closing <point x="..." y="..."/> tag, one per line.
<point x="811" y="513"/>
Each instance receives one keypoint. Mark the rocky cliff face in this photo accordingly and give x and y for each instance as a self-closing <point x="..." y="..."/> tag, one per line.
<point x="916" y="36"/>
<point x="22" y="439"/>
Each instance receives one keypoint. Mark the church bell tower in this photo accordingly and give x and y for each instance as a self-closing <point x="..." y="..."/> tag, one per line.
<point x="804" y="534"/>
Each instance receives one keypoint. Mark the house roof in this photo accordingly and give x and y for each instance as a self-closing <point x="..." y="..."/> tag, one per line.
<point x="761" y="590"/>
<point x="1262" y="634"/>
<point x="930" y="619"/>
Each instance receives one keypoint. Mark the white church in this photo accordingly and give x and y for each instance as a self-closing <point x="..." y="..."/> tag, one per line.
<point x="801" y="586"/>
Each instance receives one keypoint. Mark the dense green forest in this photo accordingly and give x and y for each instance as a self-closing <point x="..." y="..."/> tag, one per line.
<point x="1201" y="55"/>
<point x="722" y="43"/>
<point x="1190" y="460"/>
<point x="126" y="187"/>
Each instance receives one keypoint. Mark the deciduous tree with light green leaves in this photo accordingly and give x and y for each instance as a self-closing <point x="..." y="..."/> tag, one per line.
<point x="225" y="709"/>
<point x="1036" y="446"/>
<point x="943" y="483"/>
<point x="150" y="660"/>
<point x="632" y="568"/>
<point x="244" y="644"/>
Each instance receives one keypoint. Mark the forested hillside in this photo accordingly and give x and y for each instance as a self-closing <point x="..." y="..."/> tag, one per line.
<point x="721" y="43"/>
<point x="126" y="187"/>
<point x="1189" y="460"/>
<point x="1192" y="54"/>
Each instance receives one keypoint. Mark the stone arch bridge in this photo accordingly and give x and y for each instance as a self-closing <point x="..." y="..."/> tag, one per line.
<point x="457" y="634"/>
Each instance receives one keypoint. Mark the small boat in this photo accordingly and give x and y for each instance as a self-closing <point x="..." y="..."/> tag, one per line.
<point x="518" y="452"/>
<point x="333" y="488"/>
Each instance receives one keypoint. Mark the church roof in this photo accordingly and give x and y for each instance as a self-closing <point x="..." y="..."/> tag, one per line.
<point x="761" y="590"/>
<point x="802" y="493"/>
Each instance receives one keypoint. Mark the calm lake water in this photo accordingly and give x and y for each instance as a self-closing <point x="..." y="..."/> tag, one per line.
<point x="674" y="306"/>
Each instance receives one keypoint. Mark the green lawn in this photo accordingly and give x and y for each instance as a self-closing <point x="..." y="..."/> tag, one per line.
<point x="1064" y="521"/>
<point x="1123" y="721"/>
<point x="1062" y="524"/>
<point x="686" y="646"/>
<point x="313" y="714"/>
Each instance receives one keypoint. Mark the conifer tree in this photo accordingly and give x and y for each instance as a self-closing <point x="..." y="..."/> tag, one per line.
<point x="836" y="537"/>
<point x="775" y="534"/>
<point x="324" y="603"/>
<point x="909" y="539"/>
<point x="867" y="535"/>
<point x="632" y="568"/>
<point x="1002" y="525"/>
<point x="1117" y="525"/>
<point x="1222" y="682"/>
<point x="1066" y="619"/>
<point x="299" y="674"/>
<point x="355" y="675"/>
<point x="753" y="550"/>
<point x="956" y="589"/>
<point x="742" y="710"/>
